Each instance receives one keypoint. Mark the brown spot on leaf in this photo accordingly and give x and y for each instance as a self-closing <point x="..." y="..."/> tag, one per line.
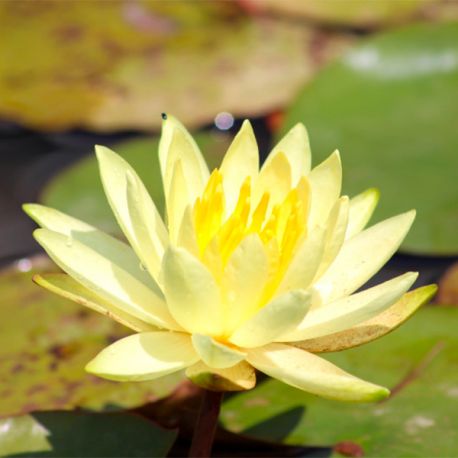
<point x="69" y="33"/>
<point x="63" y="351"/>
<point x="349" y="448"/>
<point x="17" y="368"/>
<point x="448" y="287"/>
<point x="38" y="388"/>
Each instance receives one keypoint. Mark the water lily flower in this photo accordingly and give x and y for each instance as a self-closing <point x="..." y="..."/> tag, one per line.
<point x="252" y="268"/>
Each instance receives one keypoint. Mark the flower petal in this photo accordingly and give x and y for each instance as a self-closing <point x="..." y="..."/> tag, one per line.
<point x="144" y="356"/>
<point x="374" y="328"/>
<point x="241" y="161"/>
<point x="177" y="200"/>
<point x="325" y="182"/>
<point x="278" y="317"/>
<point x="105" y="245"/>
<point x="336" y="227"/>
<point x="187" y="233"/>
<point x="104" y="276"/>
<point x="114" y="172"/>
<point x="311" y="373"/>
<point x="295" y="145"/>
<point x="362" y="256"/>
<point x="244" y="279"/>
<point x="361" y="208"/>
<point x="192" y="294"/>
<point x="216" y="354"/>
<point x="236" y="378"/>
<point x="177" y="144"/>
<point x="65" y="286"/>
<point x="351" y="310"/>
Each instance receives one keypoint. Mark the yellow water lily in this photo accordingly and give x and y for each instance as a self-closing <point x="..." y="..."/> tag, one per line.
<point x="253" y="269"/>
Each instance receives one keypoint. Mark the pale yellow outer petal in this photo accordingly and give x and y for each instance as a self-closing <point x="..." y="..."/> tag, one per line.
<point x="106" y="278"/>
<point x="351" y="310"/>
<point x="177" y="200"/>
<point x="144" y="356"/>
<point x="304" y="265"/>
<point x="241" y="161"/>
<point x="274" y="179"/>
<point x="147" y="226"/>
<point x="361" y="257"/>
<point x="65" y="286"/>
<point x="325" y="182"/>
<point x="311" y="373"/>
<point x="361" y="208"/>
<point x="295" y="145"/>
<point x="244" y="279"/>
<point x="215" y="354"/>
<point x="280" y="316"/>
<point x="335" y="234"/>
<point x="187" y="233"/>
<point x="192" y="294"/>
<point x="236" y="378"/>
<point x="114" y="172"/>
<point x="371" y="329"/>
<point x="177" y="144"/>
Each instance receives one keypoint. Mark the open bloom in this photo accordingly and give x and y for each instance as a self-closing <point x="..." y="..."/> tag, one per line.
<point x="253" y="268"/>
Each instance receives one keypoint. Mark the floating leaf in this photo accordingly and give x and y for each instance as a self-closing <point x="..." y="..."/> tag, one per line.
<point x="117" y="65"/>
<point x="418" y="361"/>
<point x="45" y="342"/>
<point x="390" y="106"/>
<point x="80" y="434"/>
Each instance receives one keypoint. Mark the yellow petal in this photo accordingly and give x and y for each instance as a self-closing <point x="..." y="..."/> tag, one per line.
<point x="177" y="199"/>
<point x="311" y="373"/>
<point x="236" y="378"/>
<point x="214" y="353"/>
<point x="241" y="161"/>
<point x="295" y="145"/>
<point x="374" y="328"/>
<point x="102" y="274"/>
<point x="187" y="235"/>
<point x="336" y="227"/>
<point x="114" y="172"/>
<point x="351" y="310"/>
<point x="325" y="182"/>
<point x="177" y="144"/>
<point x="144" y="356"/>
<point x="280" y="316"/>
<point x="147" y="226"/>
<point x="361" y="208"/>
<point x="361" y="257"/>
<point x="192" y="294"/>
<point x="65" y="286"/>
<point x="244" y="279"/>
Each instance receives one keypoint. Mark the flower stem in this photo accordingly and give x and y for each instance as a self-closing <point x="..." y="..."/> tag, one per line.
<point x="204" y="431"/>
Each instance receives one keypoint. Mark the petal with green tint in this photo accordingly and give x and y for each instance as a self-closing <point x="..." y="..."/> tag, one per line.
<point x="374" y="328"/>
<point x="66" y="286"/>
<point x="144" y="356"/>
<point x="192" y="294"/>
<point x="351" y="310"/>
<point x="362" y="256"/>
<point x="114" y="171"/>
<point x="336" y="227"/>
<point x="361" y="208"/>
<point x="105" y="245"/>
<point x="177" y="199"/>
<point x="244" y="279"/>
<point x="216" y="354"/>
<point x="280" y="316"/>
<point x="177" y="143"/>
<point x="236" y="378"/>
<point x="304" y="265"/>
<point x="311" y="373"/>
<point x="273" y="179"/>
<point x="325" y="182"/>
<point x="106" y="278"/>
<point x="187" y="234"/>
<point x="241" y="161"/>
<point x="147" y="226"/>
<point x="295" y="145"/>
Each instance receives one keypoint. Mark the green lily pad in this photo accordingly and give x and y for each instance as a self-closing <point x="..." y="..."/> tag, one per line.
<point x="418" y="362"/>
<point x="81" y="434"/>
<point x="390" y="106"/>
<point x="78" y="190"/>
<point x="45" y="342"/>
<point x="117" y="65"/>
